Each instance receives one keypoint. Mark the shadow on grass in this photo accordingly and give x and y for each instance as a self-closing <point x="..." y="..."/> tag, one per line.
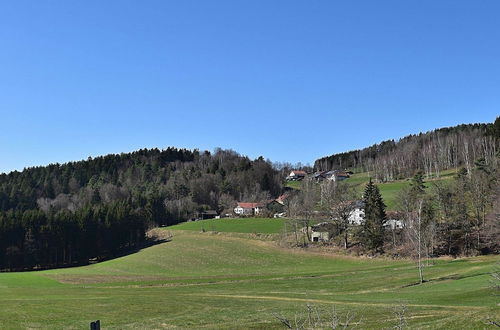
<point x="454" y="277"/>
<point x="148" y="242"/>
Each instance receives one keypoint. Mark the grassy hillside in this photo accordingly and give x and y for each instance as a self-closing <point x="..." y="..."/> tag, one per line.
<point x="219" y="281"/>
<point x="238" y="225"/>
<point x="390" y="190"/>
<point x="294" y="184"/>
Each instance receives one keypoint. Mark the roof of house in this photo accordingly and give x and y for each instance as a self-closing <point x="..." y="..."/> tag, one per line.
<point x="244" y="205"/>
<point x="210" y="212"/>
<point x="322" y="227"/>
<point x="394" y="215"/>
<point x="284" y="196"/>
<point x="337" y="173"/>
<point x="298" y="172"/>
<point x="320" y="174"/>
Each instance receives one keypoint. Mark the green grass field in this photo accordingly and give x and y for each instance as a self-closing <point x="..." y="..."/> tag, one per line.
<point x="390" y="190"/>
<point x="207" y="280"/>
<point x="294" y="184"/>
<point x="237" y="225"/>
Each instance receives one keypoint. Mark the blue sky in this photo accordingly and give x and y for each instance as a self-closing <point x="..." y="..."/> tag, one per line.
<point x="288" y="80"/>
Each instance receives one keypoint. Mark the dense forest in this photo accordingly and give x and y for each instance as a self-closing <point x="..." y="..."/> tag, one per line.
<point x="431" y="152"/>
<point x="64" y="214"/>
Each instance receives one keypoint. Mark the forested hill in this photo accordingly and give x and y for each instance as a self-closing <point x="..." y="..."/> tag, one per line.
<point x="61" y="214"/>
<point x="185" y="181"/>
<point x="430" y="152"/>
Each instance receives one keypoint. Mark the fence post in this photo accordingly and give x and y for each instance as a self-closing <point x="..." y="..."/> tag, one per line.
<point x="96" y="325"/>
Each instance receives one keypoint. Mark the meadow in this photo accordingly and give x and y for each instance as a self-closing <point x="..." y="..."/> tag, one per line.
<point x="234" y="225"/>
<point x="222" y="280"/>
<point x="388" y="190"/>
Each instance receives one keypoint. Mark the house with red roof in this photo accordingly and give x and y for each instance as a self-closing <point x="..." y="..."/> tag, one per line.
<point x="296" y="175"/>
<point x="243" y="208"/>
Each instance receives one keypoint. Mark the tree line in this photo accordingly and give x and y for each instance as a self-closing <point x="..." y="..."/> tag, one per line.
<point x="431" y="152"/>
<point x="69" y="213"/>
<point x="37" y="239"/>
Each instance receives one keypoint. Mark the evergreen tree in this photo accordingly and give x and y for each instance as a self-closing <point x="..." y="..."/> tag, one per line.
<point x="375" y="217"/>
<point x="417" y="183"/>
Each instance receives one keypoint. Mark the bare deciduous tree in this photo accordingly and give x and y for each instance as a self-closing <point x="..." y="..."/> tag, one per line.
<point x="412" y="207"/>
<point x="314" y="317"/>
<point x="401" y="312"/>
<point x="339" y="200"/>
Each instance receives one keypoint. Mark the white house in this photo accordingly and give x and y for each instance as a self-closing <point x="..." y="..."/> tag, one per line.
<point x="394" y="220"/>
<point x="336" y="175"/>
<point x="358" y="214"/>
<point x="296" y="175"/>
<point x="394" y="224"/>
<point x="248" y="208"/>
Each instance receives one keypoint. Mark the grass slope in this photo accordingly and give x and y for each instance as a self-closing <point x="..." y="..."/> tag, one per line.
<point x="390" y="190"/>
<point x="237" y="225"/>
<point x="206" y="280"/>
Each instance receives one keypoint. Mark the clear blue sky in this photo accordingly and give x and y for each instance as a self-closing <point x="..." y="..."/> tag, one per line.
<point x="288" y="80"/>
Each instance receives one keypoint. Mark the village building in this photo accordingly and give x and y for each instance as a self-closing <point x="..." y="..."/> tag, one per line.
<point x="248" y="209"/>
<point x="333" y="175"/>
<point x="320" y="236"/>
<point x="358" y="214"/>
<point x="296" y="175"/>
<point x="337" y="176"/>
<point x="208" y="214"/>
<point x="281" y="199"/>
<point x="394" y="220"/>
<point x="274" y="206"/>
<point x="322" y="232"/>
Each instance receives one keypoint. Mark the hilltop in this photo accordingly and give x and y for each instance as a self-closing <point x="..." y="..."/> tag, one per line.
<point x="431" y="152"/>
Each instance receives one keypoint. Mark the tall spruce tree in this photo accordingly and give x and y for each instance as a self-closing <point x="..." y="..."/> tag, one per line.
<point x="417" y="183"/>
<point x="373" y="227"/>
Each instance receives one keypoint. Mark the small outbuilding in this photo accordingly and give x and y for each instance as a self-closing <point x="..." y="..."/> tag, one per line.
<point x="321" y="232"/>
<point x="320" y="236"/>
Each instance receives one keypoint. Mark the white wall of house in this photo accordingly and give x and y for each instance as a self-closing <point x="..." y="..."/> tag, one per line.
<point x="243" y="211"/>
<point x="394" y="224"/>
<point x="336" y="178"/>
<point x="357" y="216"/>
<point x="320" y="236"/>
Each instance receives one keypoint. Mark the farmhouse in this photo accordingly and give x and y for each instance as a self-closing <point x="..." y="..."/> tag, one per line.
<point x="393" y="224"/>
<point x="394" y="220"/>
<point x="337" y="176"/>
<point x="334" y="175"/>
<point x="281" y="199"/>
<point x="358" y="214"/>
<point x="243" y="208"/>
<point x="274" y="206"/>
<point x="296" y="175"/>
<point x="208" y="214"/>
<point x="319" y="176"/>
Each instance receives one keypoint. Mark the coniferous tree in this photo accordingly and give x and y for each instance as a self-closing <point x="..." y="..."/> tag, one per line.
<point x="417" y="183"/>
<point x="374" y="219"/>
